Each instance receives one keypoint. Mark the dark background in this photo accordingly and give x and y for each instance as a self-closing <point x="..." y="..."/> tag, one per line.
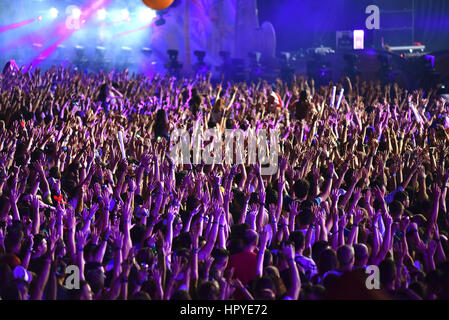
<point x="310" y="23"/>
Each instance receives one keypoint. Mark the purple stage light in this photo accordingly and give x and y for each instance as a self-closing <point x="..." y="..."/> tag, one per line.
<point x="134" y="30"/>
<point x="16" y="25"/>
<point x="64" y="32"/>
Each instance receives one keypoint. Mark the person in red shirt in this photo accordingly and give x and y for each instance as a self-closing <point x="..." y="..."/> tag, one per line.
<point x="245" y="263"/>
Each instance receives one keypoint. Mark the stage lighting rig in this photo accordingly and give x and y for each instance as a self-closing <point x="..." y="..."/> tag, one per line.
<point x="100" y="60"/>
<point x="319" y="65"/>
<point x="80" y="60"/>
<point x="200" y="66"/>
<point x="125" y="58"/>
<point x="60" y="55"/>
<point x="160" y="14"/>
<point x="173" y="66"/>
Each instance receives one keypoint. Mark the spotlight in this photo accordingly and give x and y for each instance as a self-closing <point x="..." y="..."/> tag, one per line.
<point x="124" y="14"/>
<point x="147" y="51"/>
<point x="101" y="14"/>
<point x="76" y="13"/>
<point x="146" y="15"/>
<point x="54" y="13"/>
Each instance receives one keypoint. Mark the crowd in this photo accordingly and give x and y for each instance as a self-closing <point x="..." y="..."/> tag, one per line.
<point x="358" y="185"/>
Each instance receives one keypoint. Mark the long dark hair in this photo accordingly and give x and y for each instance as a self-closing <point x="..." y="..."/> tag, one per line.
<point x="303" y="95"/>
<point x="161" y="124"/>
<point x="104" y="93"/>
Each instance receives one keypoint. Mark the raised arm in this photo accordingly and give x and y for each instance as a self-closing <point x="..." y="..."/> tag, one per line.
<point x="295" y="287"/>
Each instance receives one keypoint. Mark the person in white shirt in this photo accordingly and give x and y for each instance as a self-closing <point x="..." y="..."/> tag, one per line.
<point x="306" y="264"/>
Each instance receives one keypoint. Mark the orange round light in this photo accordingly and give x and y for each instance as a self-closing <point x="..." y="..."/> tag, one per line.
<point x="158" y="4"/>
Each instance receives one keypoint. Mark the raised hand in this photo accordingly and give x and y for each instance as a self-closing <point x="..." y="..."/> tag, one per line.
<point x="93" y="209"/>
<point x="288" y="251"/>
<point x="343" y="221"/>
<point x="421" y="246"/>
<point x="316" y="174"/>
<point x="119" y="239"/>
<point x="282" y="164"/>
<point x="436" y="190"/>
<point x="388" y="220"/>
<point x="380" y="194"/>
<point x="81" y="239"/>
<point x="399" y="250"/>
<point x="264" y="237"/>
<point x="359" y="216"/>
<point x="368" y="196"/>
<point x="357" y="194"/>
<point x="14" y="195"/>
<point x="34" y="202"/>
<point x="335" y="195"/>
<point x="172" y="211"/>
<point x="177" y="266"/>
<point x="294" y="208"/>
